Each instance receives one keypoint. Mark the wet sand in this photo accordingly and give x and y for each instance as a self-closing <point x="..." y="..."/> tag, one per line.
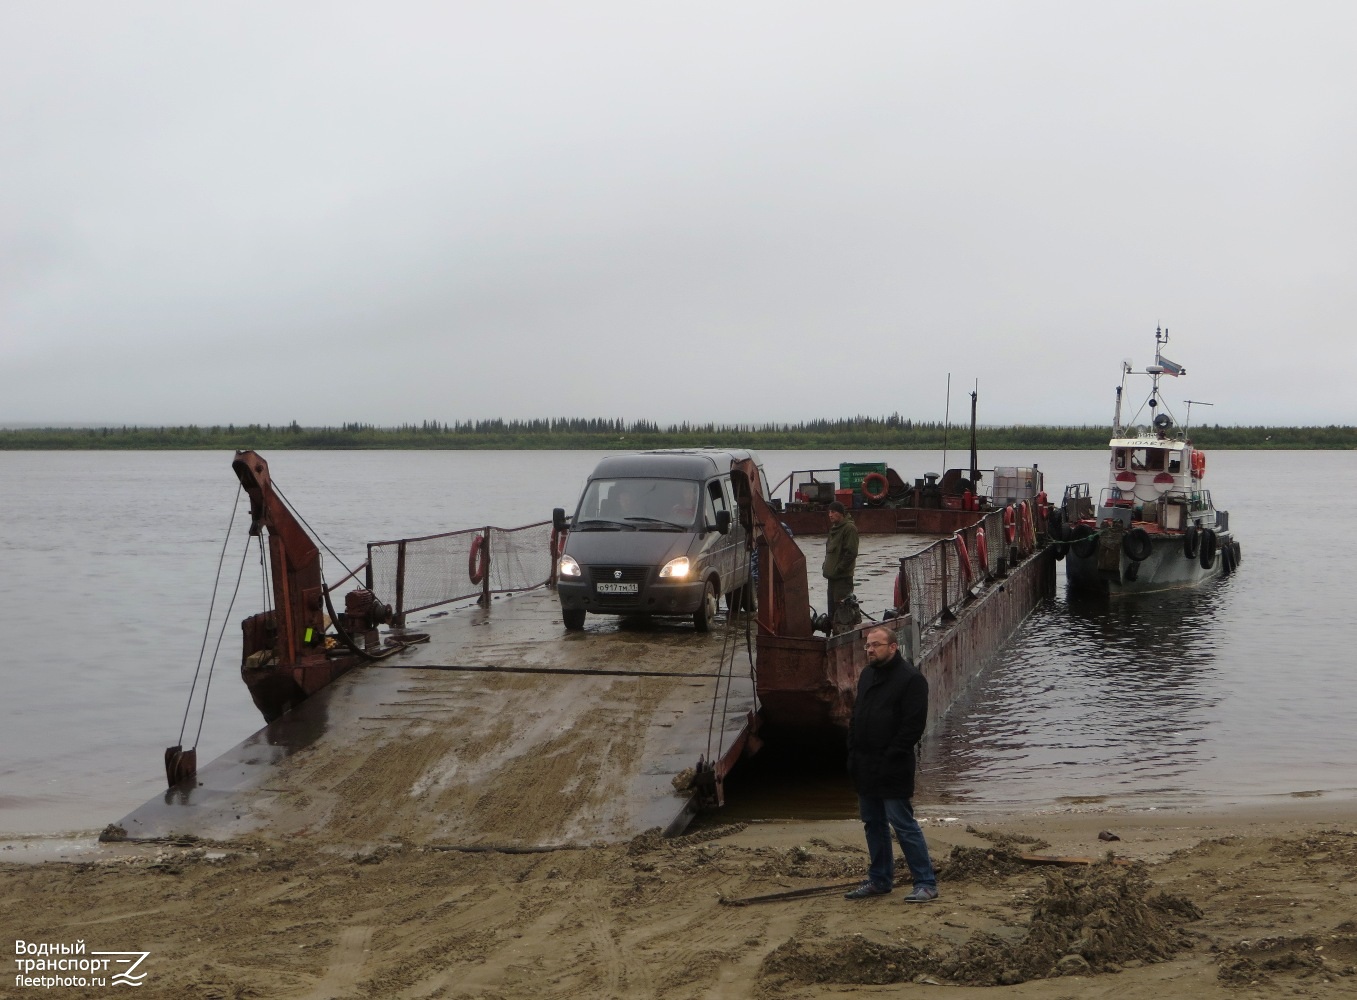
<point x="1262" y="900"/>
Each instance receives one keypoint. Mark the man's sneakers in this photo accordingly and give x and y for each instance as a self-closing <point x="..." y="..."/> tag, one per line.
<point x="922" y="894"/>
<point x="866" y="891"/>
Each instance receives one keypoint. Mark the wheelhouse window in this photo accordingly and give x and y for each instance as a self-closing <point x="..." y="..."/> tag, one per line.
<point x="1148" y="459"/>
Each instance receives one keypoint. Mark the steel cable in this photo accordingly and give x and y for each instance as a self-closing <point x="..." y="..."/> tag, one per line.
<point x="207" y="687"/>
<point x="207" y="629"/>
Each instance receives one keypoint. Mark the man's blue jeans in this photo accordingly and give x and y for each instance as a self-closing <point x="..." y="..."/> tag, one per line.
<point x="879" y="817"/>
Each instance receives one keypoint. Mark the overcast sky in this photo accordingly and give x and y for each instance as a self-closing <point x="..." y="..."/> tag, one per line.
<point x="326" y="212"/>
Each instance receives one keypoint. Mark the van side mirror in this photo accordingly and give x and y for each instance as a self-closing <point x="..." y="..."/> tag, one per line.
<point x="558" y="518"/>
<point x="723" y="521"/>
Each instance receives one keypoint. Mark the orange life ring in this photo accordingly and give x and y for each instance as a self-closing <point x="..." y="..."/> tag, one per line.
<point x="1008" y="525"/>
<point x="875" y="495"/>
<point x="478" y="562"/>
<point x="964" y="556"/>
<point x="1199" y="464"/>
<point x="982" y="550"/>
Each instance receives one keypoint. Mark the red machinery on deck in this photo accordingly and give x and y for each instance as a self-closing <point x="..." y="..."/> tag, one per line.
<point x="285" y="657"/>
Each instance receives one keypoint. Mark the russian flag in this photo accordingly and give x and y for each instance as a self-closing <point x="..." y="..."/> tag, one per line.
<point x="1169" y="367"/>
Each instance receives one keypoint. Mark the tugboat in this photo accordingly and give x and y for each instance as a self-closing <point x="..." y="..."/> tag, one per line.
<point x="1155" y="526"/>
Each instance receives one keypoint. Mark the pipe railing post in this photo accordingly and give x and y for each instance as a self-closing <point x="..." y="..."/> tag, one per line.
<point x="484" y="599"/>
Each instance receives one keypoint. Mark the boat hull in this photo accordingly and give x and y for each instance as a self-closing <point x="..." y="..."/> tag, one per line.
<point x="1109" y="570"/>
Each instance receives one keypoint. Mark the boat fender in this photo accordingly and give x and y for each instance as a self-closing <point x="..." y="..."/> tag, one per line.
<point x="1008" y="524"/>
<point x="1238" y="552"/>
<point x="1055" y="522"/>
<point x="982" y="550"/>
<point x="1083" y="541"/>
<point x="1207" y="556"/>
<point x="875" y="487"/>
<point x="1191" y="541"/>
<point x="478" y="562"/>
<point x="1137" y="545"/>
<point x="1226" y="559"/>
<point x="964" y="556"/>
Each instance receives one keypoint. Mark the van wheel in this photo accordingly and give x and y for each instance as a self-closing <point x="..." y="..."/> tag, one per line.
<point x="573" y="618"/>
<point x="706" y="611"/>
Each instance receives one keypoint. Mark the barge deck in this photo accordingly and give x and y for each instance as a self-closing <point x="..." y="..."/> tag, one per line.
<point x="504" y="731"/>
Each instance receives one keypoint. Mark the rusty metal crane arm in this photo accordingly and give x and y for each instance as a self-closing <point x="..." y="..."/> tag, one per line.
<point x="784" y="593"/>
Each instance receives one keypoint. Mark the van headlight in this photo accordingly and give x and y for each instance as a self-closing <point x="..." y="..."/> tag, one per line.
<point x="568" y="567"/>
<point x="675" y="569"/>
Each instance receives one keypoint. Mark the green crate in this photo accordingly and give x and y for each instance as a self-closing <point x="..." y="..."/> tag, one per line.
<point x="851" y="474"/>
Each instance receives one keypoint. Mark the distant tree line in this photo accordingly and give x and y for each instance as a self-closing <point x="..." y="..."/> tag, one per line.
<point x="894" y="433"/>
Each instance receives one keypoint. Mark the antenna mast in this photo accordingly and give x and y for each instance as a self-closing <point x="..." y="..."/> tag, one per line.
<point x="946" y="419"/>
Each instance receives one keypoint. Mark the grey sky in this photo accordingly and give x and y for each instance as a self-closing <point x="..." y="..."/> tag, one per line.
<point x="735" y="212"/>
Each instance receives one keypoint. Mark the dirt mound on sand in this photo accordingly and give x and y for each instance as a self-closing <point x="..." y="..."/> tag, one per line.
<point x="1009" y="840"/>
<point x="979" y="863"/>
<point x="1093" y="920"/>
<point x="1250" y="962"/>
<point x="846" y="960"/>
<point x="1090" y="921"/>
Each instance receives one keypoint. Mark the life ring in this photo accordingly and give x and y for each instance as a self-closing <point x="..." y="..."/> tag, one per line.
<point x="1199" y="464"/>
<point x="964" y="556"/>
<point x="982" y="550"/>
<point x="1083" y="541"/>
<point x="478" y="562"/>
<point x="875" y="495"/>
<point x="1191" y="541"/>
<point x="1207" y="556"/>
<point x="1137" y="545"/>
<point x="1008" y="525"/>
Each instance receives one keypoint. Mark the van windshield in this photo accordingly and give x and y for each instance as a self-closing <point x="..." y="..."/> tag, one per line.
<point x="638" y="504"/>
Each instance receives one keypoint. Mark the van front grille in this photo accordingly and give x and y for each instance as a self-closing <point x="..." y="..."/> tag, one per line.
<point x="619" y="574"/>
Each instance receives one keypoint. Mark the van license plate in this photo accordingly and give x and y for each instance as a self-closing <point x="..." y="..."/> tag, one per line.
<point x="616" y="588"/>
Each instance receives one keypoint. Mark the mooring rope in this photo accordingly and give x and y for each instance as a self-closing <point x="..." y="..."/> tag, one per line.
<point x="207" y="628"/>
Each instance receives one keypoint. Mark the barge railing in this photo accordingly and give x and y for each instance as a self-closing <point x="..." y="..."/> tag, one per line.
<point x="416" y="574"/>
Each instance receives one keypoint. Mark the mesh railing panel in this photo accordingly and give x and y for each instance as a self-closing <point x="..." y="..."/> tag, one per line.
<point x="994" y="540"/>
<point x="437" y="568"/>
<point x="936" y="578"/>
<point x="520" y="558"/>
<point x="925" y="572"/>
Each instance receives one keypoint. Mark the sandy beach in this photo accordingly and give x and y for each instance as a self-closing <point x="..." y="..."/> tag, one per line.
<point x="1257" y="902"/>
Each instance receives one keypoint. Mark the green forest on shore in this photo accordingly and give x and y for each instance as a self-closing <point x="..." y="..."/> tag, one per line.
<point x="892" y="433"/>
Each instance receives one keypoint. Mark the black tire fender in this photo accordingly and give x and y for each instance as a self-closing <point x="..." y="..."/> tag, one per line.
<point x="1207" y="556"/>
<point x="1191" y="541"/>
<point x="1137" y="545"/>
<point x="1083" y="541"/>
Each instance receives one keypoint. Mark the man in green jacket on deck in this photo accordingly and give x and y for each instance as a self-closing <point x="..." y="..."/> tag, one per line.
<point x="841" y="555"/>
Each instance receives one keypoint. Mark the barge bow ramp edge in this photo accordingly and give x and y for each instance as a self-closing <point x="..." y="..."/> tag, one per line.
<point x="548" y="739"/>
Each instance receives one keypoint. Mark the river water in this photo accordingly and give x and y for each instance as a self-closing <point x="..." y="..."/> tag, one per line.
<point x="1239" y="692"/>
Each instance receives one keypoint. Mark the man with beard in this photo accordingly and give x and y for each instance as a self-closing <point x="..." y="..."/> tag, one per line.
<point x="889" y="717"/>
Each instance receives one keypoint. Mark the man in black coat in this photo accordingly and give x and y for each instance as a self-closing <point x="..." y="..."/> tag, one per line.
<point x="889" y="717"/>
